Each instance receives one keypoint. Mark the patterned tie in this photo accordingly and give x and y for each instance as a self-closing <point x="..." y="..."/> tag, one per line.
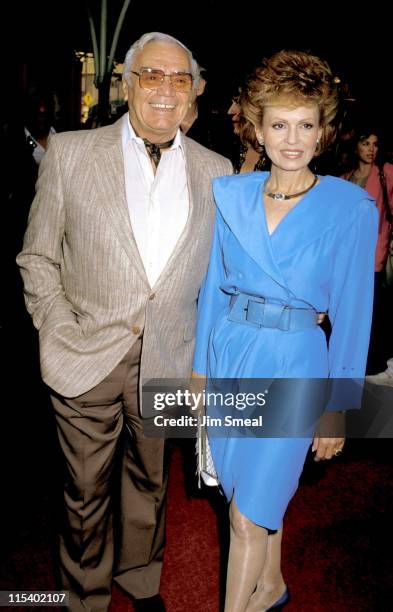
<point x="154" y="150"/>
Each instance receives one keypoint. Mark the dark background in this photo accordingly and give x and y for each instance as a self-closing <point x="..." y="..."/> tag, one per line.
<point x="38" y="41"/>
<point x="227" y="39"/>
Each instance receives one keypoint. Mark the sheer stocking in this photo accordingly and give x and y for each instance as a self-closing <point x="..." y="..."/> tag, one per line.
<point x="247" y="553"/>
<point x="270" y="584"/>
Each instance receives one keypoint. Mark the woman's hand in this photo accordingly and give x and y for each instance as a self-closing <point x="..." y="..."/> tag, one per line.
<point x="321" y="316"/>
<point x="329" y="436"/>
<point x="326" y="448"/>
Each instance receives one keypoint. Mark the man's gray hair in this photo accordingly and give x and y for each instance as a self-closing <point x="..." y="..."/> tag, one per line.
<point x="158" y="36"/>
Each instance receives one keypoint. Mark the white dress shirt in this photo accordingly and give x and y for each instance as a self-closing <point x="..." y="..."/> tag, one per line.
<point x="38" y="151"/>
<point x="158" y="203"/>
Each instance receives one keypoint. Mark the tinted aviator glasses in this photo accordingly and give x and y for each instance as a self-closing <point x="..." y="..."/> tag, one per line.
<point x="150" y="78"/>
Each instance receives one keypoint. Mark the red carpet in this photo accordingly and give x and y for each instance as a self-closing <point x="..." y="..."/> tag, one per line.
<point x="336" y="555"/>
<point x="190" y="579"/>
<point x="337" y="552"/>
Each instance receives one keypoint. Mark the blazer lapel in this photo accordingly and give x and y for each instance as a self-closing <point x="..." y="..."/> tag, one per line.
<point x="239" y="199"/>
<point x="109" y="167"/>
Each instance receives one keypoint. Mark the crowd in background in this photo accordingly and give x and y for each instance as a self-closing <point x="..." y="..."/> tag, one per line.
<point x="224" y="130"/>
<point x="360" y="155"/>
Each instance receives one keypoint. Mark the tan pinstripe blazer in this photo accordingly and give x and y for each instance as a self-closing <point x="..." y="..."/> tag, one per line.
<point x="85" y="283"/>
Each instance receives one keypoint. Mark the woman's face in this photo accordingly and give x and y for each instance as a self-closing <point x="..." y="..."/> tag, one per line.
<point x="234" y="112"/>
<point x="367" y="149"/>
<point x="290" y="135"/>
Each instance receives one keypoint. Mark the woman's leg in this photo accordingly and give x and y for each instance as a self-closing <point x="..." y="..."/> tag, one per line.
<point x="247" y="553"/>
<point x="271" y="583"/>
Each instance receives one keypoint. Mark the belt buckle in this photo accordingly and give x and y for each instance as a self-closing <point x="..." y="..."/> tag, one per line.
<point x="254" y="311"/>
<point x="272" y="314"/>
<point x="239" y="312"/>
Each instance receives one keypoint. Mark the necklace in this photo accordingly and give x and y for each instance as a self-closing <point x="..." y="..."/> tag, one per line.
<point x="283" y="196"/>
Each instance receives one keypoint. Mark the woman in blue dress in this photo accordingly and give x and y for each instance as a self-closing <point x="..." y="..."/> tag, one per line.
<point x="288" y="245"/>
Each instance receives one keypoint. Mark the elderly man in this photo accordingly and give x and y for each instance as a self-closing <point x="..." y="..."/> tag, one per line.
<point x="114" y="255"/>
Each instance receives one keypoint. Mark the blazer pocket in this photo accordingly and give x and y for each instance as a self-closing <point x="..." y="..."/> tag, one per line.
<point x="189" y="330"/>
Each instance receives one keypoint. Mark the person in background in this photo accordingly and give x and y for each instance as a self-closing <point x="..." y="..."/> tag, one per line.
<point x="113" y="258"/>
<point x="26" y="137"/>
<point x="192" y="113"/>
<point x="369" y="171"/>
<point x="250" y="155"/>
<point x="288" y="246"/>
<point x="375" y="177"/>
<point x="39" y="123"/>
<point x="25" y="134"/>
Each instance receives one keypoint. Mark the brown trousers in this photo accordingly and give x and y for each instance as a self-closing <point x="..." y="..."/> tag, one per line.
<point x="89" y="428"/>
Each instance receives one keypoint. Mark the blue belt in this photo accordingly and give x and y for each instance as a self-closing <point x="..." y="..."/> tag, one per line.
<point x="268" y="312"/>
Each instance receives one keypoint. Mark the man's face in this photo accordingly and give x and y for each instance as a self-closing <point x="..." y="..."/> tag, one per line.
<point x="234" y="113"/>
<point x="156" y="114"/>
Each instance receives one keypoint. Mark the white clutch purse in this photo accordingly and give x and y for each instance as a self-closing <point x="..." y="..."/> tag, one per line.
<point x="205" y="465"/>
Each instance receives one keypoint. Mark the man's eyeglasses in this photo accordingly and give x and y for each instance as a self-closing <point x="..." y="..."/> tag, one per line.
<point x="150" y="78"/>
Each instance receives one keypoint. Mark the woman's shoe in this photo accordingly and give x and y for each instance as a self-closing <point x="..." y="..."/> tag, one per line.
<point x="281" y="601"/>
